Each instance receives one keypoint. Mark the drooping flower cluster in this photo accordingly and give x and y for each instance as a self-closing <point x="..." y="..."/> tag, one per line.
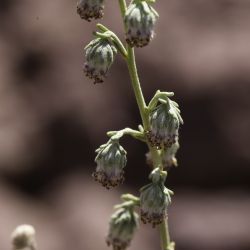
<point x="90" y="9"/>
<point x="122" y="226"/>
<point x="111" y="160"/>
<point x="100" y="54"/>
<point x="154" y="199"/>
<point x="140" y="20"/>
<point x="161" y="132"/>
<point x="165" y="121"/>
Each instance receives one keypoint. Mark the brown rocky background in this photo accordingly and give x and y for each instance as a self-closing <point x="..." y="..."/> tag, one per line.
<point x="52" y="118"/>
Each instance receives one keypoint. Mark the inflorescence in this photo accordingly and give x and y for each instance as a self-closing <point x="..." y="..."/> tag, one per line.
<point x="154" y="199"/>
<point x="122" y="227"/>
<point x="100" y="54"/>
<point x="111" y="160"/>
<point x="140" y="19"/>
<point x="165" y="122"/>
<point x="160" y="130"/>
<point x="90" y="9"/>
<point x="161" y="122"/>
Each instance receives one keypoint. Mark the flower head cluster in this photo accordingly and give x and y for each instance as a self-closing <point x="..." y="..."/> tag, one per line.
<point x="122" y="226"/>
<point x="154" y="199"/>
<point x="100" y="54"/>
<point x="89" y="9"/>
<point x="165" y="121"/>
<point x="140" y="19"/>
<point x="111" y="160"/>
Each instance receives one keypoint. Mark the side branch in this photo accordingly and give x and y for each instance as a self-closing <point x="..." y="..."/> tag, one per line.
<point x="116" y="135"/>
<point x="158" y="95"/>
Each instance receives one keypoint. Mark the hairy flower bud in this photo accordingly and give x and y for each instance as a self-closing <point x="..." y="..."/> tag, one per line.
<point x="23" y="238"/>
<point x="154" y="199"/>
<point x="100" y="55"/>
<point x="89" y="9"/>
<point x="122" y="226"/>
<point x="111" y="160"/>
<point x="165" y="121"/>
<point x="140" y="19"/>
<point x="168" y="156"/>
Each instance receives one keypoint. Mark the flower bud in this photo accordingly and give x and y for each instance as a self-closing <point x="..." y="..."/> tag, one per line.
<point x="154" y="199"/>
<point x="122" y="227"/>
<point x="89" y="9"/>
<point x="111" y="160"/>
<point x="168" y="156"/>
<point x="100" y="55"/>
<point x="165" y="121"/>
<point x="140" y="19"/>
<point x="23" y="238"/>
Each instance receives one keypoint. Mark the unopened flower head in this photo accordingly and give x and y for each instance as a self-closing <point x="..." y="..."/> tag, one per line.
<point x="23" y="237"/>
<point x="111" y="160"/>
<point x="168" y="156"/>
<point x="140" y="20"/>
<point x="100" y="54"/>
<point x="154" y="199"/>
<point x="165" y="121"/>
<point x="90" y="9"/>
<point x="122" y="226"/>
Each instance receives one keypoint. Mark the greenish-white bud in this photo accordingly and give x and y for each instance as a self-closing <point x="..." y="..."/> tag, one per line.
<point x="154" y="199"/>
<point x="165" y="121"/>
<point x="140" y="20"/>
<point x="100" y="54"/>
<point x="111" y="159"/>
<point x="168" y="156"/>
<point x="90" y="9"/>
<point x="122" y="227"/>
<point x="23" y="238"/>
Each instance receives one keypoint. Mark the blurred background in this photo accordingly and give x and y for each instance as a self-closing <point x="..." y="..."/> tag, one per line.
<point x="52" y="118"/>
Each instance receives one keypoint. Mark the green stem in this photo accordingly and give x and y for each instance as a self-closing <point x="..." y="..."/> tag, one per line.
<point x="130" y="197"/>
<point x="137" y="87"/>
<point x="133" y="73"/>
<point x="116" y="135"/>
<point x="164" y="233"/>
<point x="156" y="157"/>
<point x="127" y="204"/>
<point x="119" y="45"/>
<point x="123" y="7"/>
<point x="101" y="27"/>
<point x="108" y="34"/>
<point x="113" y="38"/>
<point x="158" y="95"/>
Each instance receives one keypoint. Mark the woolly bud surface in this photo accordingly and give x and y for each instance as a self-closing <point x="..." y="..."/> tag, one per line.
<point x="23" y="238"/>
<point x="140" y="20"/>
<point x="165" y="121"/>
<point x="122" y="226"/>
<point x="154" y="200"/>
<point x="111" y="159"/>
<point x="90" y="9"/>
<point x="100" y="54"/>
